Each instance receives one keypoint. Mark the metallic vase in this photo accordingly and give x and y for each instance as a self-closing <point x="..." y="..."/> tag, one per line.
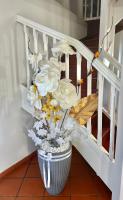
<point x="55" y="170"/>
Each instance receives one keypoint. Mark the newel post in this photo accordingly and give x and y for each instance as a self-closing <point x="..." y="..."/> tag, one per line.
<point x="117" y="184"/>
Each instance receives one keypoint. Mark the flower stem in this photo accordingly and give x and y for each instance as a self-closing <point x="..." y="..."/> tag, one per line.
<point x="63" y="119"/>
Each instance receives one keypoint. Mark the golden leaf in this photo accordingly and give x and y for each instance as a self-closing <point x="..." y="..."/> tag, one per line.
<point x="84" y="109"/>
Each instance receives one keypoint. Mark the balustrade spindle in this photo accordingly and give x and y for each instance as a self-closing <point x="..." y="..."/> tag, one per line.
<point x="54" y="41"/>
<point x="79" y="61"/>
<point x="35" y="36"/>
<point x="27" y="54"/>
<point x="89" y="91"/>
<point x="100" y="108"/>
<point x="91" y="9"/>
<point x="98" y="8"/>
<point x="112" y="123"/>
<point x="45" y="41"/>
<point x="85" y="9"/>
<point x="67" y="65"/>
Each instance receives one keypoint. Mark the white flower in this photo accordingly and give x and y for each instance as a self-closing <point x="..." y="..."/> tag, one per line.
<point x="34" y="59"/>
<point x="61" y="66"/>
<point x="33" y="97"/>
<point x="62" y="47"/>
<point x="69" y="124"/>
<point x="47" y="80"/>
<point x="66" y="94"/>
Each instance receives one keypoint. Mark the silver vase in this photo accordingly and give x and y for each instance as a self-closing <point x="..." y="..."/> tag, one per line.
<point x="55" y="170"/>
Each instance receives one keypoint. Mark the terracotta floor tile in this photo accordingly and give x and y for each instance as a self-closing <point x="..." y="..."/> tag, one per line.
<point x="9" y="187"/>
<point x="76" y="157"/>
<point x="32" y="187"/>
<point x="19" y="172"/>
<point x="78" y="170"/>
<point x="34" y="159"/>
<point x="104" y="198"/>
<point x="29" y="198"/>
<point x="80" y="186"/>
<point x="56" y="198"/>
<point x="65" y="192"/>
<point x="33" y="171"/>
<point x="102" y="190"/>
<point x="85" y="197"/>
<point x="7" y="198"/>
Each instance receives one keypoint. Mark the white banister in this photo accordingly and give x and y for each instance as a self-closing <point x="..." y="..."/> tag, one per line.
<point x="27" y="54"/>
<point x="67" y="65"/>
<point x="79" y="62"/>
<point x="112" y="123"/>
<point x="81" y="48"/>
<point x="45" y="41"/>
<point x="100" y="108"/>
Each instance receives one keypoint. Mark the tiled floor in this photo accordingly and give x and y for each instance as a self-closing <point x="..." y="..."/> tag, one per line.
<point x="25" y="183"/>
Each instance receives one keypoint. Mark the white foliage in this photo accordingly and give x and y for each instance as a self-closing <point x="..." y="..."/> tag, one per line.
<point x="62" y="47"/>
<point x="42" y="132"/>
<point x="60" y="141"/>
<point x="32" y="135"/>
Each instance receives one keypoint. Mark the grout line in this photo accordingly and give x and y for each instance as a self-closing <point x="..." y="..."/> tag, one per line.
<point x="22" y="181"/>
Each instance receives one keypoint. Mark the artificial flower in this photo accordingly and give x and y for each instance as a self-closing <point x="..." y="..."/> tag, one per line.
<point x="54" y="102"/>
<point x="62" y="47"/>
<point x="66" y="94"/>
<point x="47" y="80"/>
<point x="34" y="97"/>
<point x="34" y="59"/>
<point x="60" y="65"/>
<point x="56" y="118"/>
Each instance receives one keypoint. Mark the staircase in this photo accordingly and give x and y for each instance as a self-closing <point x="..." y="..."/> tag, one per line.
<point x="97" y="139"/>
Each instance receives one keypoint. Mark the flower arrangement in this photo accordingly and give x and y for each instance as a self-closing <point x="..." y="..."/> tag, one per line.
<point x="56" y="102"/>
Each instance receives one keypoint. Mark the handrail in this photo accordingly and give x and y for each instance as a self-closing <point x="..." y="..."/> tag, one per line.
<point x="112" y="60"/>
<point x="81" y="48"/>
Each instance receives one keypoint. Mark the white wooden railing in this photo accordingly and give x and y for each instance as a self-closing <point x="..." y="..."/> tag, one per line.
<point x="91" y="9"/>
<point x="105" y="73"/>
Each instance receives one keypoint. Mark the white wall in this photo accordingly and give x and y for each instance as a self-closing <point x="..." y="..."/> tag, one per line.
<point x="76" y="6"/>
<point x="14" y="144"/>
